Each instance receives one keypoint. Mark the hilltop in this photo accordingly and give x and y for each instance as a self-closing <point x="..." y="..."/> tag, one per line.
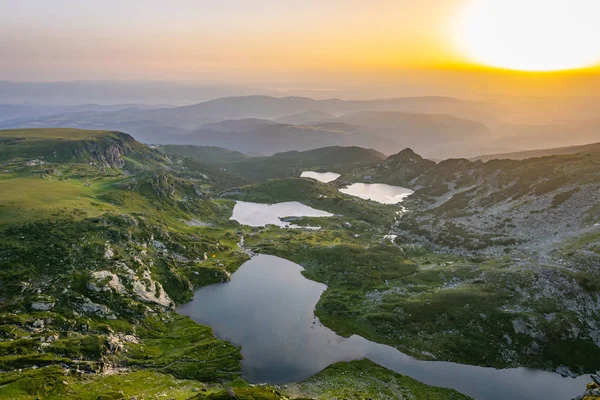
<point x="107" y="148"/>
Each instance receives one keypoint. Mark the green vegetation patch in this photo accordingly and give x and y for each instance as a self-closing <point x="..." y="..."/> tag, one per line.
<point x="363" y="379"/>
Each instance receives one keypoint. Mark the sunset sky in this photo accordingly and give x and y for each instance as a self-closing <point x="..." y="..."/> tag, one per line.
<point x="237" y="41"/>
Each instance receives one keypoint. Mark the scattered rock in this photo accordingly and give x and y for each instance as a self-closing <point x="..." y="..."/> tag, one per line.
<point x="151" y="291"/>
<point x="158" y="245"/>
<point x="104" y="281"/>
<point x="42" y="305"/>
<point x="89" y="307"/>
<point x="566" y="372"/>
<point x="38" y="323"/>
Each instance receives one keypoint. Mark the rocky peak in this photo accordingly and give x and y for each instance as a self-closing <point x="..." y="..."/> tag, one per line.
<point x="407" y="155"/>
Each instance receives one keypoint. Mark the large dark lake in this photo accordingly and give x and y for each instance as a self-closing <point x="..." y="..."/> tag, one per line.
<point x="267" y="309"/>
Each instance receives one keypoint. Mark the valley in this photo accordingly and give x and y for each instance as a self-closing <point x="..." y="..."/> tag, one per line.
<point x="103" y="239"/>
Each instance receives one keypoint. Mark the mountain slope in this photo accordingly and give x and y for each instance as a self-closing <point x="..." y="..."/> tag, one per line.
<point x="306" y="118"/>
<point x="521" y="155"/>
<point x="205" y="154"/>
<point x="94" y="256"/>
<point x="398" y="169"/>
<point x="270" y="139"/>
<point x="534" y="203"/>
<point x="433" y="133"/>
<point x="238" y="125"/>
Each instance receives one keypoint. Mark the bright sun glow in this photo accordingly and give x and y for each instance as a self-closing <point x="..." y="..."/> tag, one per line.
<point x="531" y="35"/>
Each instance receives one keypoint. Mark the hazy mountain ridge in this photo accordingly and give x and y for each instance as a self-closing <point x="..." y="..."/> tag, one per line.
<point x="521" y="155"/>
<point x="15" y="112"/>
<point x="439" y="127"/>
<point x="287" y="164"/>
<point x="201" y="121"/>
<point x="307" y="118"/>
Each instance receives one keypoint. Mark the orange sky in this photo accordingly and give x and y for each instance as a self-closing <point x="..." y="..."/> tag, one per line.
<point x="335" y="41"/>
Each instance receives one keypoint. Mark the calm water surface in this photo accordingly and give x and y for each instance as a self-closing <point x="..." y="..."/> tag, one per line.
<point x="325" y="177"/>
<point x="378" y="192"/>
<point x="267" y="309"/>
<point x="255" y="214"/>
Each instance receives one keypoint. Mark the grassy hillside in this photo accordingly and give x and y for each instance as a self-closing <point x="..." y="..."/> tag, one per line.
<point x="92" y="262"/>
<point x="106" y="148"/>
<point x="512" y="281"/>
<point x="362" y="379"/>
<point x="94" y="256"/>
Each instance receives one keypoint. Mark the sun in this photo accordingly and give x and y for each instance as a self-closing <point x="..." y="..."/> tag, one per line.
<point x="530" y="35"/>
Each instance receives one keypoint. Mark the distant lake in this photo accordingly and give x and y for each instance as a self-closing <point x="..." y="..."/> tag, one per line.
<point x="325" y="177"/>
<point x="378" y="192"/>
<point x="268" y="309"/>
<point x="256" y="214"/>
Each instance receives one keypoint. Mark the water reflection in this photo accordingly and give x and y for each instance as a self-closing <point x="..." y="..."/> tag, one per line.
<point x="256" y="214"/>
<point x="325" y="177"/>
<point x="267" y="309"/>
<point x="378" y="192"/>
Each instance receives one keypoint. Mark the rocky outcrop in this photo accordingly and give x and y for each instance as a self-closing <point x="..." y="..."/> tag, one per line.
<point x="592" y="391"/>
<point x="151" y="291"/>
<point x="105" y="154"/>
<point x="101" y="310"/>
<point x="145" y="288"/>
<point x="104" y="281"/>
<point x="42" y="305"/>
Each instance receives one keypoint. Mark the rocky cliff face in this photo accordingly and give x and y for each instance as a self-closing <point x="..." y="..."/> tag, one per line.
<point x="105" y="154"/>
<point x="107" y="149"/>
<point x="111" y="149"/>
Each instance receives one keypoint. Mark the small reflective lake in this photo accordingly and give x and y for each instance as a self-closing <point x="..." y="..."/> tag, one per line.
<point x="256" y="214"/>
<point x="379" y="192"/>
<point x="267" y="309"/>
<point x="325" y="177"/>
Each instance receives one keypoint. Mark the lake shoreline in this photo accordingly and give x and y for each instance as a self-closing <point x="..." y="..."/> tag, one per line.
<point x="437" y="373"/>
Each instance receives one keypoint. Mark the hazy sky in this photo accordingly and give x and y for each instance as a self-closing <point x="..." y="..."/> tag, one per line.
<point x="316" y="43"/>
<point x="225" y="39"/>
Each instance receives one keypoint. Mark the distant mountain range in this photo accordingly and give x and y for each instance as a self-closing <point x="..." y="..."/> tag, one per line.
<point x="266" y="125"/>
<point x="307" y="118"/>
<point x="437" y="127"/>
<point x="10" y="112"/>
